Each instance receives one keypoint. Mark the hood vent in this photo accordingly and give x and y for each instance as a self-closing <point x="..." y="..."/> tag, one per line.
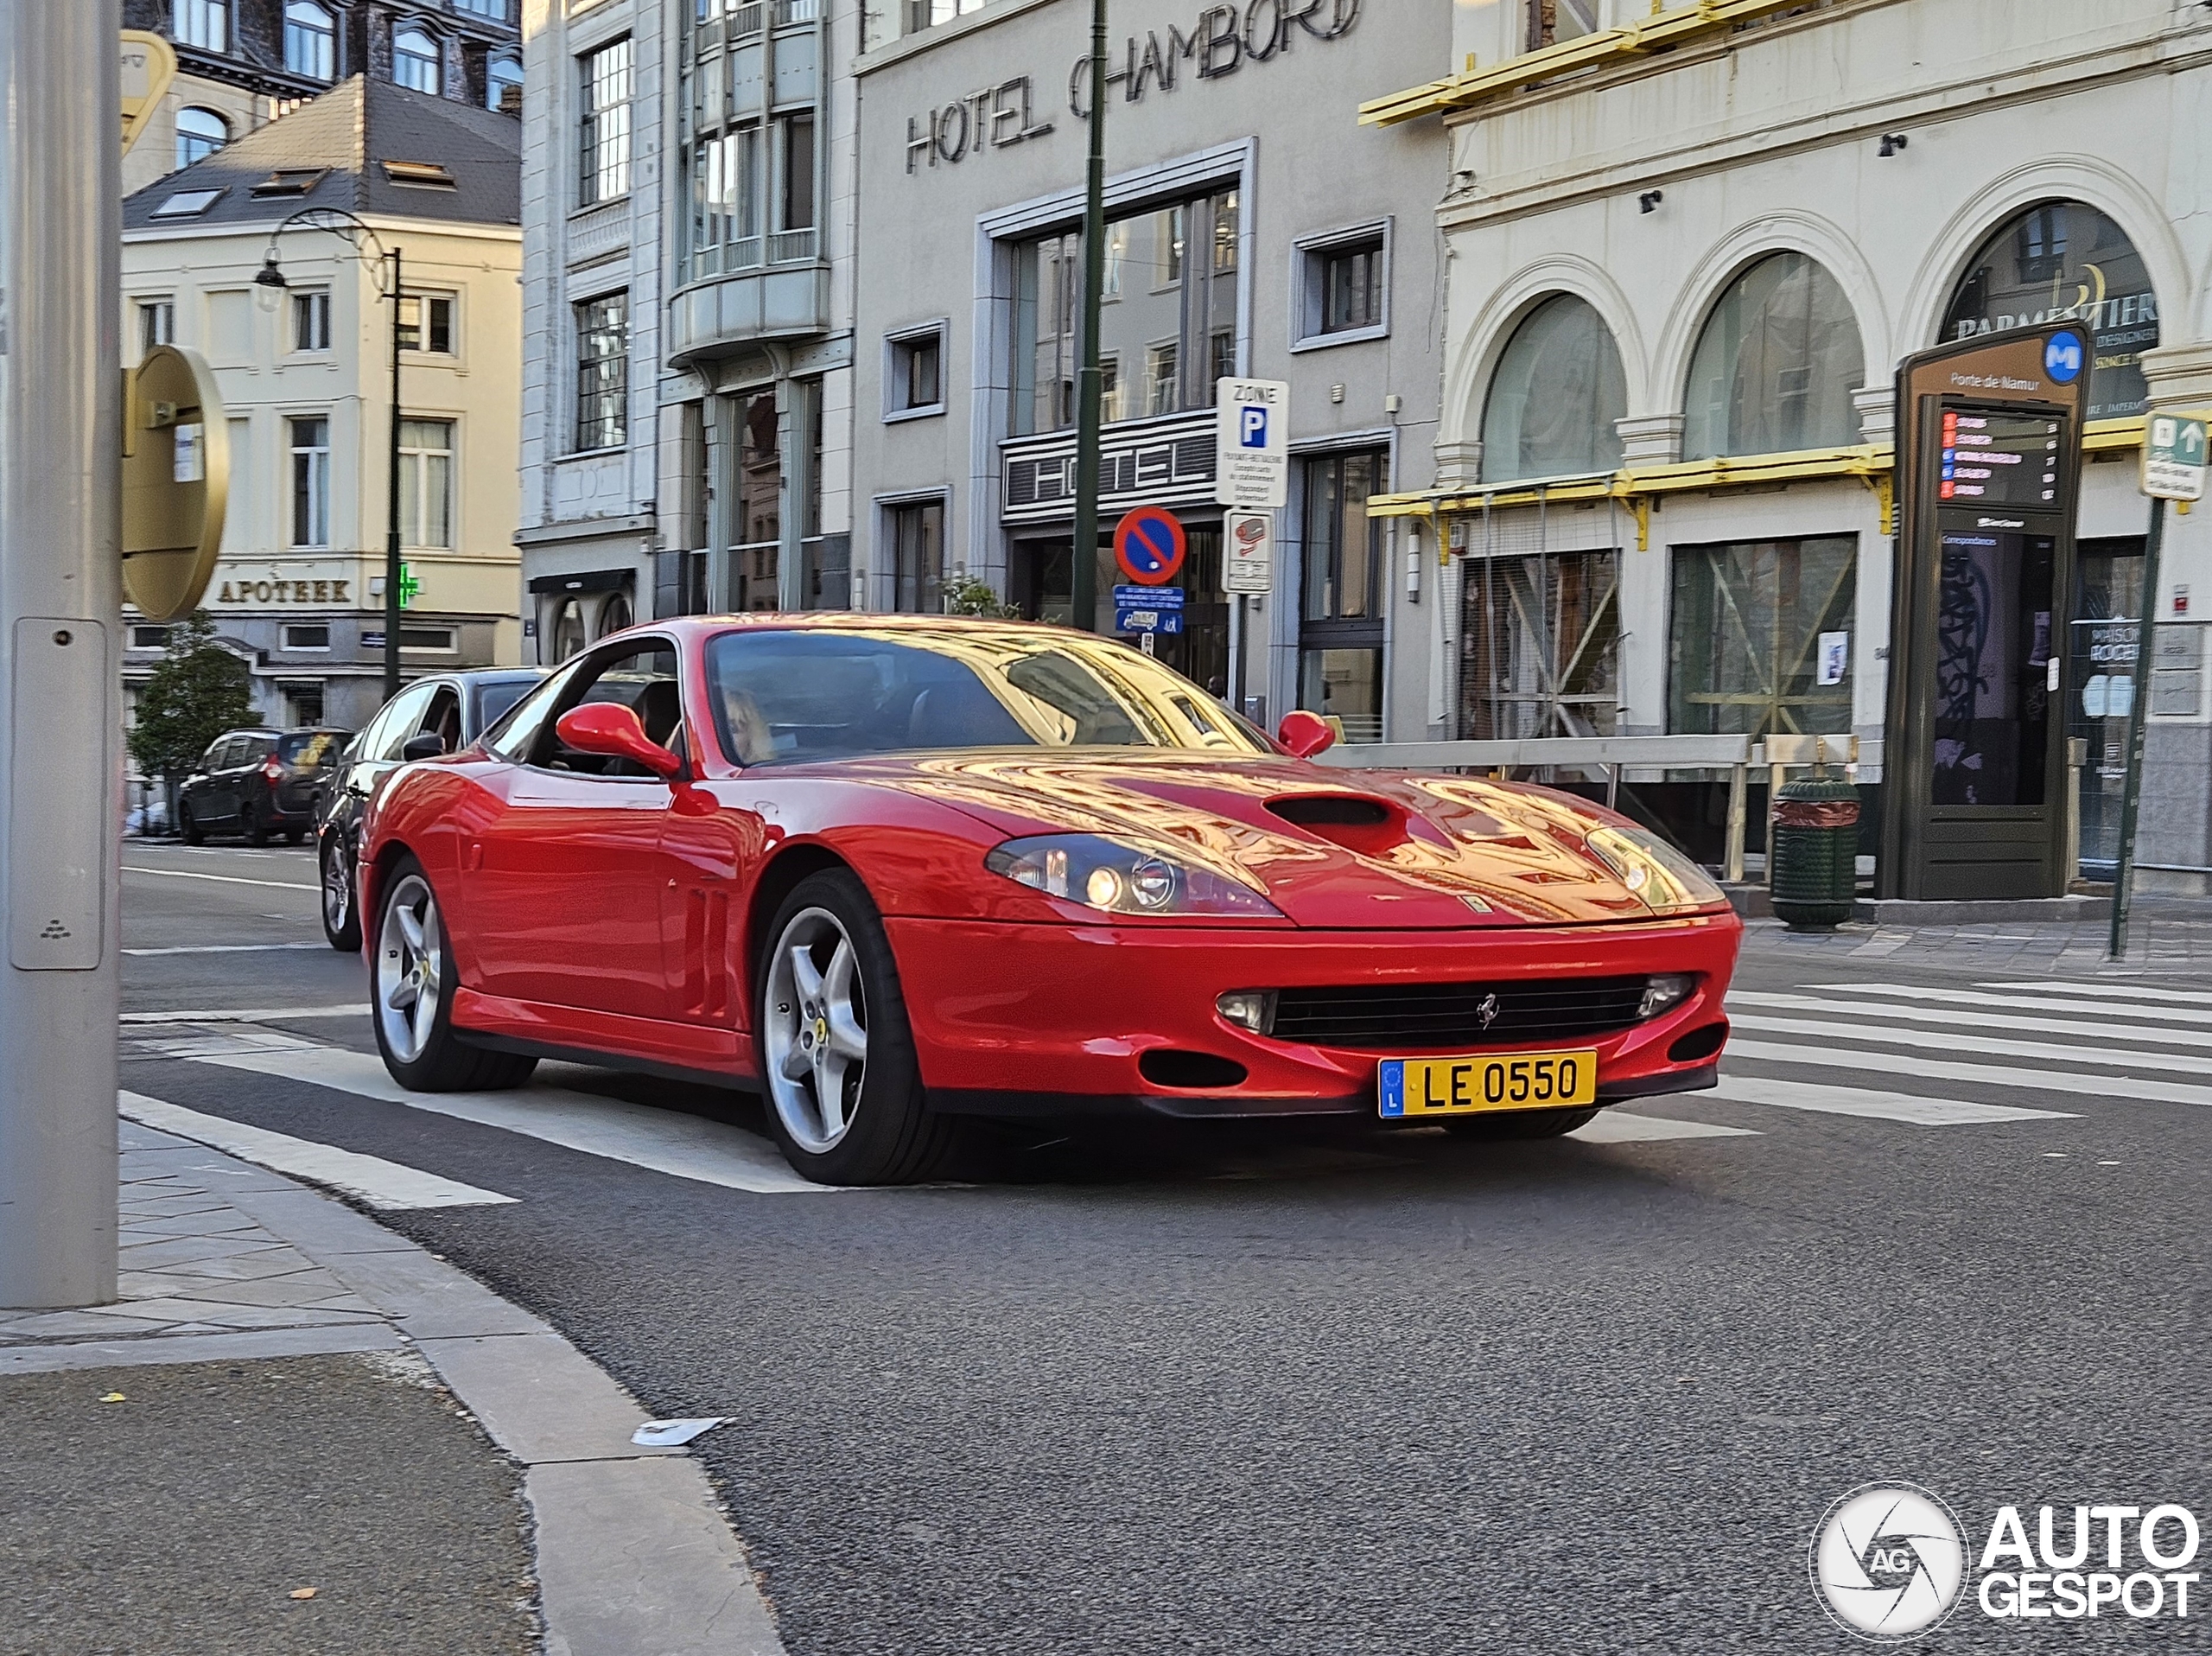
<point x="1331" y="811"/>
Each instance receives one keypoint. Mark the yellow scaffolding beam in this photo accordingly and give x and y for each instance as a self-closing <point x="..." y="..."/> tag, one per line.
<point x="1636" y="487"/>
<point x="1660" y="31"/>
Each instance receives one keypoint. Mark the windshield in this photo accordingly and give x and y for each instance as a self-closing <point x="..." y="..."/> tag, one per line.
<point x="801" y="695"/>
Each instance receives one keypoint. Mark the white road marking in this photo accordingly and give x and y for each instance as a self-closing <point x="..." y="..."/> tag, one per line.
<point x="1954" y="1017"/>
<point x="369" y="1178"/>
<point x="1880" y="1105"/>
<point x="662" y="1141"/>
<point x="222" y="879"/>
<point x="218" y="1043"/>
<point x="2018" y="1003"/>
<point x="2132" y="989"/>
<point x="254" y="1015"/>
<point x="231" y="948"/>
<point x="1998" y="1075"/>
<point x="1949" y="1041"/>
<point x="1620" y="1127"/>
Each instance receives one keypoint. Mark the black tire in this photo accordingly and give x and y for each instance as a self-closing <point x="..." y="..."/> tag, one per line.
<point x="342" y="920"/>
<point x="1522" y="1123"/>
<point x="187" y="829"/>
<point x="890" y="1137"/>
<point x="440" y="1062"/>
<point x="295" y="836"/>
<point x="257" y="826"/>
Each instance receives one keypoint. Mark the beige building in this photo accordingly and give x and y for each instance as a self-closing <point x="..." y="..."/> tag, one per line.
<point x="306" y="376"/>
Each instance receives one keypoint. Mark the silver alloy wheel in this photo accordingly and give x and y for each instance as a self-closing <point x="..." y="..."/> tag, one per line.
<point x="815" y="1029"/>
<point x="337" y="888"/>
<point x="410" y="965"/>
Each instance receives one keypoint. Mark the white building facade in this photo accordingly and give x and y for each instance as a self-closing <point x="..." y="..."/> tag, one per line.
<point x="1677" y="285"/>
<point x="688" y="362"/>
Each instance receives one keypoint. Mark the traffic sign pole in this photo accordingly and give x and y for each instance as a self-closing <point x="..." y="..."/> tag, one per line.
<point x="1082" y="567"/>
<point x="61" y="660"/>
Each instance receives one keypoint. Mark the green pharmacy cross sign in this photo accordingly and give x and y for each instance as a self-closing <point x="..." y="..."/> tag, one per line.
<point x="2173" y="458"/>
<point x="408" y="586"/>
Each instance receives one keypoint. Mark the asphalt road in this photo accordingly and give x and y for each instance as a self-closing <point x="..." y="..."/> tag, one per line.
<point x="1253" y="1392"/>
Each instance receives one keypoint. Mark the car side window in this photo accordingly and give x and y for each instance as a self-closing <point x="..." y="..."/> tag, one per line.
<point x="403" y="719"/>
<point x="212" y="761"/>
<point x="444" y="718"/>
<point x="255" y="749"/>
<point x="642" y="680"/>
<point x="513" y="736"/>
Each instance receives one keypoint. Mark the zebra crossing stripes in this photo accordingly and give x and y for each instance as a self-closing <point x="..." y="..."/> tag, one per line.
<point x="1952" y="1017"/>
<point x="2019" y="1002"/>
<point x="1879" y="1105"/>
<point x="2133" y="991"/>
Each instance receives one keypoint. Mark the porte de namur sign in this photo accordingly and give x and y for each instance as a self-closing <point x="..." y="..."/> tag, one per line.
<point x="1221" y="39"/>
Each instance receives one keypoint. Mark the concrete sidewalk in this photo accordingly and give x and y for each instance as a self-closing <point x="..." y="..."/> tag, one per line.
<point x="288" y="1396"/>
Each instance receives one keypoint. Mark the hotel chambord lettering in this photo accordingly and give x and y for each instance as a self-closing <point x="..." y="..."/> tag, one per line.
<point x="1221" y="39"/>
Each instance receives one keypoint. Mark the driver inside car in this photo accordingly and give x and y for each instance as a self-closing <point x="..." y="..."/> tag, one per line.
<point x="748" y="727"/>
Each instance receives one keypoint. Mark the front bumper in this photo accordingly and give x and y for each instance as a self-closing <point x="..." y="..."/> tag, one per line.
<point x="1024" y="1020"/>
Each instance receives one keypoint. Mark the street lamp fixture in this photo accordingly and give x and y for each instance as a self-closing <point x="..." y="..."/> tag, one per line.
<point x="269" y="289"/>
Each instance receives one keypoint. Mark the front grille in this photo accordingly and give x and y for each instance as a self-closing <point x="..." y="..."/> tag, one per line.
<point x="1427" y="1016"/>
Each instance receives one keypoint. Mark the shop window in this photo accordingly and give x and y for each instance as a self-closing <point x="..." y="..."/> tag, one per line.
<point x="426" y="483"/>
<point x="1541" y="645"/>
<point x="603" y="125"/>
<point x="1343" y="286"/>
<point x="307" y="635"/>
<point x="203" y="23"/>
<point x="200" y="133"/>
<point x="2064" y="261"/>
<point x="1340" y="628"/>
<point x="436" y="640"/>
<point x="913" y="376"/>
<point x="425" y="323"/>
<point x="302" y="705"/>
<point x="917" y="535"/>
<point x="2108" y="610"/>
<point x="1551" y="22"/>
<point x="614" y="615"/>
<point x="1745" y="649"/>
<point x="311" y="320"/>
<point x="310" y="482"/>
<point x="1776" y="366"/>
<point x="310" y="40"/>
<point x="1169" y="315"/>
<point x="503" y="84"/>
<point x="603" y="371"/>
<point x="568" y="630"/>
<point x="757" y="559"/>
<point x="1556" y="397"/>
<point x="416" y="62"/>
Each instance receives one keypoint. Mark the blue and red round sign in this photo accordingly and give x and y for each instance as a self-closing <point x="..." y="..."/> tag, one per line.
<point x="1149" y="545"/>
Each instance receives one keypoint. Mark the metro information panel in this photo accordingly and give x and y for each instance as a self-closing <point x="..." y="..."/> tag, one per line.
<point x="1998" y="456"/>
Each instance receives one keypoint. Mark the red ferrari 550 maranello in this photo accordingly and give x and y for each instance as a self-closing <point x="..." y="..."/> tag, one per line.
<point x="899" y="870"/>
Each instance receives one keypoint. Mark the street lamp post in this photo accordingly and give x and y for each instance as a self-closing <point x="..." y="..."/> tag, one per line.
<point x="1090" y="380"/>
<point x="271" y="283"/>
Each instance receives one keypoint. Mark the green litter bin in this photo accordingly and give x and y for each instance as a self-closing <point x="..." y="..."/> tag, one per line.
<point x="1815" y="879"/>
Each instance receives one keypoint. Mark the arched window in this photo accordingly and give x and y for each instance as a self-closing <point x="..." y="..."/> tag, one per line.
<point x="416" y="61"/>
<point x="568" y="630"/>
<point x="2066" y="261"/>
<point x="200" y="133"/>
<point x="310" y="40"/>
<point x="1776" y="366"/>
<point x="503" y="84"/>
<point x="614" y="614"/>
<point x="1556" y="396"/>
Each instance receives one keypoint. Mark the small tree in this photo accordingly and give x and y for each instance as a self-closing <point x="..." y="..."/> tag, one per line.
<point x="967" y="598"/>
<point x="199" y="690"/>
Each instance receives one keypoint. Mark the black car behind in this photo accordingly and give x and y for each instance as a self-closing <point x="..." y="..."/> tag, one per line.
<point x="440" y="714"/>
<point x="257" y="783"/>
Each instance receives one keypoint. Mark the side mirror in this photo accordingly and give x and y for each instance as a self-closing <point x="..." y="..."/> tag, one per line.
<point x="429" y="745"/>
<point x="1304" y="734"/>
<point x="611" y="729"/>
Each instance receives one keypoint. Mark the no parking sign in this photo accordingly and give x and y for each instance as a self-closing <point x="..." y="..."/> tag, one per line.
<point x="1149" y="545"/>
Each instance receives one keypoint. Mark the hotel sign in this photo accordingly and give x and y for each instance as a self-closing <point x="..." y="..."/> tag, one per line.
<point x="1166" y="461"/>
<point x="1221" y="39"/>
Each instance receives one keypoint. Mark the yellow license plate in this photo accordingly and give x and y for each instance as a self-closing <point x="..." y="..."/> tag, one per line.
<point x="1461" y="1086"/>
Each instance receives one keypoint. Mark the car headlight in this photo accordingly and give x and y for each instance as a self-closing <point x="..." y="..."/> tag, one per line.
<point x="1667" y="991"/>
<point x="1118" y="879"/>
<point x="1667" y="881"/>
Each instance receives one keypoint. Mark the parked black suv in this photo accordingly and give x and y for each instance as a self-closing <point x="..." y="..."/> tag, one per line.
<point x="434" y="716"/>
<point x="257" y="783"/>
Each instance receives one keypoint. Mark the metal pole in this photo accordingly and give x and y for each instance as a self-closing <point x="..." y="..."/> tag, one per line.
<point x="1089" y="382"/>
<point x="2138" y="718"/>
<point x="392" y="502"/>
<point x="61" y="660"/>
